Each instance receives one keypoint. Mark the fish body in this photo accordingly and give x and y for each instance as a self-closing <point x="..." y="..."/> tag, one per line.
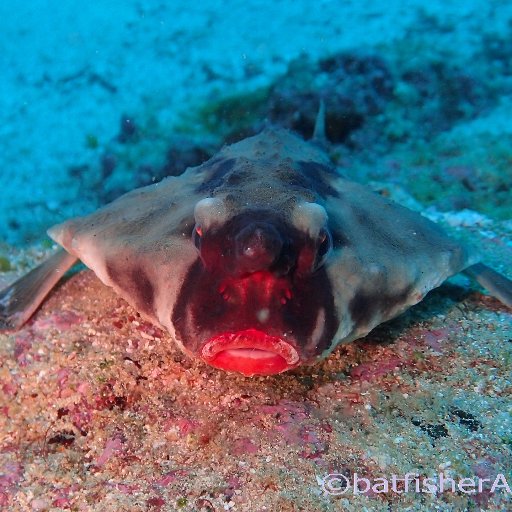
<point x="264" y="257"/>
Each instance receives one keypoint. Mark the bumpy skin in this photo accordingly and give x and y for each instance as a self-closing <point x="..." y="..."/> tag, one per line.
<point x="255" y="260"/>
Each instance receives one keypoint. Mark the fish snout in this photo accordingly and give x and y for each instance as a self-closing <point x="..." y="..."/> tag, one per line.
<point x="257" y="247"/>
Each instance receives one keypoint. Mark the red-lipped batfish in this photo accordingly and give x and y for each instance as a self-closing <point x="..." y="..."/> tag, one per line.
<point x="259" y="260"/>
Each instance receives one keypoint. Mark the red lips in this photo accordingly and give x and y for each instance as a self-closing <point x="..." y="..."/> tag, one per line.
<point x="250" y="352"/>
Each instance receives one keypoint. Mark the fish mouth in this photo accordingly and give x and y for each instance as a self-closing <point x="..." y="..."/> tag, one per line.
<point x="250" y="352"/>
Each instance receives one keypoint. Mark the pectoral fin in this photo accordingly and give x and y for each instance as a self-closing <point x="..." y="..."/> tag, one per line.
<point x="496" y="284"/>
<point x="19" y="301"/>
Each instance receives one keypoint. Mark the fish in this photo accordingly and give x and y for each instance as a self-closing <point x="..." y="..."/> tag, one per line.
<point x="260" y="260"/>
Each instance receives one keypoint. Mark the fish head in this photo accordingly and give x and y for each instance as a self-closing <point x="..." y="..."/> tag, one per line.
<point x="257" y="300"/>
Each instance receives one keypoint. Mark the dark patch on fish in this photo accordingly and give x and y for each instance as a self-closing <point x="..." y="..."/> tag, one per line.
<point x="296" y="181"/>
<point x="146" y="293"/>
<point x="235" y="179"/>
<point x="319" y="177"/>
<point x="365" y="306"/>
<point x="317" y="290"/>
<point x="137" y="282"/>
<point x="217" y="176"/>
<point x="339" y="239"/>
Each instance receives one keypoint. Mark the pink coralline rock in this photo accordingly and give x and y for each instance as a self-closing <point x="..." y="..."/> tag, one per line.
<point x="124" y="488"/>
<point x="41" y="504"/>
<point x="375" y="369"/>
<point x="314" y="447"/>
<point x="155" y="503"/>
<point x="61" y="320"/>
<point x="9" y="388"/>
<point x="184" y="425"/>
<point x="167" y="479"/>
<point x="63" y="497"/>
<point x="287" y="410"/>
<point x="112" y="446"/>
<point x="11" y="474"/>
<point x="243" y="446"/>
<point x="296" y="427"/>
<point x="22" y="348"/>
<point x="62" y="377"/>
<point x="80" y="415"/>
<point x="435" y="338"/>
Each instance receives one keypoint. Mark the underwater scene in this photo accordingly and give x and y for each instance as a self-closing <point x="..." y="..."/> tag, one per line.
<point x="256" y="256"/>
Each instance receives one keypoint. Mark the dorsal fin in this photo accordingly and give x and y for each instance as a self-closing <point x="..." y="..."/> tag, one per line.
<point x="319" y="131"/>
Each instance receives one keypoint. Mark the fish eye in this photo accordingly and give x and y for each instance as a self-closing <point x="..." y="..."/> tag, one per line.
<point x="197" y="233"/>
<point x="324" y="248"/>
